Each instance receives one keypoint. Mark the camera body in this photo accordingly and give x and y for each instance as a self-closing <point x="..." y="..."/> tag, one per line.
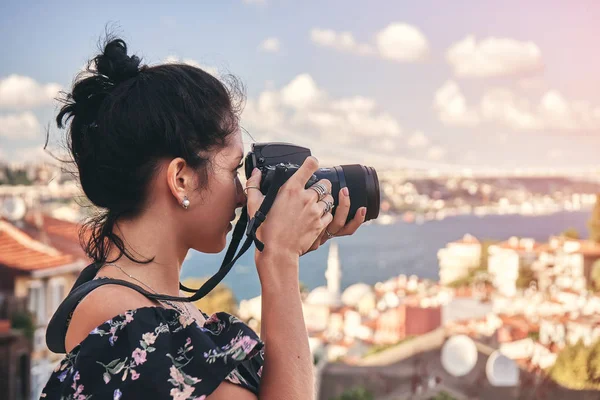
<point x="362" y="182"/>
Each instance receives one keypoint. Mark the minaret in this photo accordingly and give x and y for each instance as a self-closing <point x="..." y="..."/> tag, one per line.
<point x="333" y="274"/>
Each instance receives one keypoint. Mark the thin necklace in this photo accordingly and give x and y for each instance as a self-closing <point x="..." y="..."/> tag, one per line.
<point x="181" y="309"/>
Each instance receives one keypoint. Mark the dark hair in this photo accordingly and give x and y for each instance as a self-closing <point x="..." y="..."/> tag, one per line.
<point x="125" y="117"/>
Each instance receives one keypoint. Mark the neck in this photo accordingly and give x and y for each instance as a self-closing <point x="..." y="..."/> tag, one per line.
<point x="145" y="238"/>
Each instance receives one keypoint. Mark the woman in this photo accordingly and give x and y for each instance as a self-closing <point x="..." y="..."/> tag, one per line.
<point x="158" y="149"/>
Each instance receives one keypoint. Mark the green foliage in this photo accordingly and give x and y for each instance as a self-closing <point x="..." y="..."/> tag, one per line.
<point x="578" y="367"/>
<point x="303" y="288"/>
<point x="220" y="298"/>
<point x="485" y="246"/>
<point x="378" y="348"/>
<point x="22" y="320"/>
<point x="595" y="276"/>
<point x="526" y="277"/>
<point x="594" y="222"/>
<point x="357" y="393"/>
<point x="16" y="177"/>
<point x="571" y="233"/>
<point x="442" y="396"/>
<point x="474" y="275"/>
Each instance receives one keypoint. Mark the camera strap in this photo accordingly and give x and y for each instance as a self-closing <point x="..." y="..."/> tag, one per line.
<point x="57" y="327"/>
<point x="238" y="232"/>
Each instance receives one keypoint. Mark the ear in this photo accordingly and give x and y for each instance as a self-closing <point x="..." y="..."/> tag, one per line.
<point x="180" y="178"/>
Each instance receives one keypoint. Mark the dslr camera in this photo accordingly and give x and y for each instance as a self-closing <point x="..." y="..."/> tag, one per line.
<point x="361" y="181"/>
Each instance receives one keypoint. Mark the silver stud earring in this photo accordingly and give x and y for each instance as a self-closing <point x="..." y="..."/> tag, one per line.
<point x="185" y="203"/>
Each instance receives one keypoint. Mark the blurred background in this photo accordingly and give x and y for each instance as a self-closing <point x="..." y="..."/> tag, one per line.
<point x="479" y="279"/>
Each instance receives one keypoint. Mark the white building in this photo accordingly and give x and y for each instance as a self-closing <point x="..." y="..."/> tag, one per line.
<point x="506" y="259"/>
<point x="458" y="258"/>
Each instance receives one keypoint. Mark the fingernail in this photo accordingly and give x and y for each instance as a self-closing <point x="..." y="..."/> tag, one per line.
<point x="345" y="191"/>
<point x="254" y="171"/>
<point x="363" y="211"/>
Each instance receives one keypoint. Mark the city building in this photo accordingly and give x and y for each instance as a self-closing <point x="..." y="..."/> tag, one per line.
<point x="505" y="260"/>
<point x="41" y="274"/>
<point x="459" y="258"/>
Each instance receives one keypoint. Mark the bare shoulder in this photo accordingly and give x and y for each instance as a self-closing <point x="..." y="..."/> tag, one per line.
<point x="100" y="305"/>
<point x="227" y="390"/>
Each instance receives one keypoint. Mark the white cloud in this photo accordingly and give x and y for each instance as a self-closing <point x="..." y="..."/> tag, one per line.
<point x="436" y="153"/>
<point x="176" y="60"/>
<point x="301" y="112"/>
<point x="19" y="126"/>
<point x="492" y="57"/>
<point x="270" y="45"/>
<point x="398" y="42"/>
<point x="342" y="41"/>
<point x="505" y="108"/>
<point x="501" y="105"/>
<point x="19" y="92"/>
<point x="402" y="42"/>
<point x="417" y="139"/>
<point x="301" y="93"/>
<point x="452" y="106"/>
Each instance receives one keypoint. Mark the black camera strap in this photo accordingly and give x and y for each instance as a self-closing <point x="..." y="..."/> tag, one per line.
<point x="58" y="325"/>
<point x="242" y="224"/>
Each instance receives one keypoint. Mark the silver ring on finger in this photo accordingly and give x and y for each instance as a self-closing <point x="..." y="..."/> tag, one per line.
<point x="329" y="234"/>
<point x="328" y="207"/>
<point x="320" y="189"/>
<point x="250" y="187"/>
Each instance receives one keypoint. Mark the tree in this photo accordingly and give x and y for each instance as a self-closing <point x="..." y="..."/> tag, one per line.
<point x="593" y="364"/>
<point x="595" y="276"/>
<point x="221" y="298"/>
<point x="526" y="276"/>
<point x="442" y="396"/>
<point x="571" y="367"/>
<point x="571" y="233"/>
<point x="357" y="393"/>
<point x="594" y="222"/>
<point x="23" y="320"/>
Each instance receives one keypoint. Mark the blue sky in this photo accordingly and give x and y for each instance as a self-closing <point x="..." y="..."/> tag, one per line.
<point x="409" y="87"/>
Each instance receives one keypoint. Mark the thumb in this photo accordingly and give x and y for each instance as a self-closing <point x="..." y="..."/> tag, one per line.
<point x="254" y="195"/>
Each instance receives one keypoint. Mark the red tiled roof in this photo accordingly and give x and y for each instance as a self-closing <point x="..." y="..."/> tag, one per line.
<point x="57" y="233"/>
<point x="19" y="251"/>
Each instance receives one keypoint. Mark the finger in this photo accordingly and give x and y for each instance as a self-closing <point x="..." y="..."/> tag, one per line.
<point x="322" y="204"/>
<point x="324" y="182"/>
<point x="303" y="174"/>
<point x="341" y="211"/>
<point x="254" y="196"/>
<point x="355" y="223"/>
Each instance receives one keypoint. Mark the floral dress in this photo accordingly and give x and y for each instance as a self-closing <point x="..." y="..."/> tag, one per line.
<point x="156" y="353"/>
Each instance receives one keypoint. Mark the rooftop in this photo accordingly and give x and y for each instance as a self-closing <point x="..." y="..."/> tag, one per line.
<point x="20" y="251"/>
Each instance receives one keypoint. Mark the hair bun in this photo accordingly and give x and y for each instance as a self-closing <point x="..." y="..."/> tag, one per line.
<point x="115" y="64"/>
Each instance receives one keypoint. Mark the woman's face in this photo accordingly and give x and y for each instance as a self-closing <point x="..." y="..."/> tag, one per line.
<point x="212" y="209"/>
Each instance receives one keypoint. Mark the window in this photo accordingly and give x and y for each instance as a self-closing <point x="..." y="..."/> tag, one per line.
<point x="57" y="288"/>
<point x="37" y="301"/>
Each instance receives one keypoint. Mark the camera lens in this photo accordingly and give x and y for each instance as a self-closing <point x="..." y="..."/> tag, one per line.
<point x="363" y="184"/>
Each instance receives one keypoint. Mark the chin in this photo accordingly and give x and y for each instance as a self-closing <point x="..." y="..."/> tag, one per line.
<point x="212" y="248"/>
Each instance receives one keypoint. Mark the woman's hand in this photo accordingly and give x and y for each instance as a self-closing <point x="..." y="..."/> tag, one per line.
<point x="339" y="227"/>
<point x="296" y="219"/>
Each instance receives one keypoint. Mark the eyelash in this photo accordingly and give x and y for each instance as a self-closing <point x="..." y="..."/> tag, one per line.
<point x="237" y="168"/>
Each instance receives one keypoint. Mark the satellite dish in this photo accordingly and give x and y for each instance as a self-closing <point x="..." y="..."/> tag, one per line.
<point x="501" y="370"/>
<point x="13" y="208"/>
<point x="459" y="355"/>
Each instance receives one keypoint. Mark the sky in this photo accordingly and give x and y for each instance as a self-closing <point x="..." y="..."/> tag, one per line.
<point x="389" y="84"/>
